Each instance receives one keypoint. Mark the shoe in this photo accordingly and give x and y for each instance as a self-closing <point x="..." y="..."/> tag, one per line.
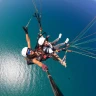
<point x="67" y="40"/>
<point x="60" y="35"/>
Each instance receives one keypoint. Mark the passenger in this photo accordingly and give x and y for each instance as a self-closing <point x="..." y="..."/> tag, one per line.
<point x="51" y="48"/>
<point x="46" y="44"/>
<point x="31" y="55"/>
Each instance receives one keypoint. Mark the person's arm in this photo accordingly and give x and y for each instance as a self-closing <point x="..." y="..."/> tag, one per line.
<point x="54" y="55"/>
<point x="27" y="36"/>
<point x="28" y="41"/>
<point x="40" y="64"/>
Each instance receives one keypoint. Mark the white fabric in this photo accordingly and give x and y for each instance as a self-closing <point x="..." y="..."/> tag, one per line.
<point x="47" y="50"/>
<point x="50" y="45"/>
<point x="23" y="52"/>
<point x="44" y="49"/>
<point x="50" y="50"/>
<point x="41" y="40"/>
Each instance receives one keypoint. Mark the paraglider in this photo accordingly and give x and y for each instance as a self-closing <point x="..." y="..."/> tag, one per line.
<point x="45" y="49"/>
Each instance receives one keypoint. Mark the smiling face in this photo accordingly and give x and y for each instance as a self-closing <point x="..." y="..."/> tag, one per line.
<point x="31" y="52"/>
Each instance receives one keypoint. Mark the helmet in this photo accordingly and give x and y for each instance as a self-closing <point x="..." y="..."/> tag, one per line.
<point x="23" y="52"/>
<point x="41" y="40"/>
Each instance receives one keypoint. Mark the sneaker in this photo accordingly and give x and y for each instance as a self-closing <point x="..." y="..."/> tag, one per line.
<point x="60" y="35"/>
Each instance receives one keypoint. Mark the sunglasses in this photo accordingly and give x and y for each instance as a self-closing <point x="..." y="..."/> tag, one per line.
<point x="28" y="51"/>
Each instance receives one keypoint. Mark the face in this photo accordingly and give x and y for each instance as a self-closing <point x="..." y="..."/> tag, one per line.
<point x="30" y="52"/>
<point x="46" y="43"/>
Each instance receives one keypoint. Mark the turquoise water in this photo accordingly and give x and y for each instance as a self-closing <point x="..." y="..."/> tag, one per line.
<point x="66" y="16"/>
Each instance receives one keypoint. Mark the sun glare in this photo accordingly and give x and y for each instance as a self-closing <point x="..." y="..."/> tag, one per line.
<point x="13" y="71"/>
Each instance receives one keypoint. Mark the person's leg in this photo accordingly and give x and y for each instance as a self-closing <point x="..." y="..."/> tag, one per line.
<point x="62" y="44"/>
<point x="56" y="40"/>
<point x="58" y="45"/>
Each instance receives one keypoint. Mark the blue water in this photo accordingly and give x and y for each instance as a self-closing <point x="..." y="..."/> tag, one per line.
<point x="69" y="17"/>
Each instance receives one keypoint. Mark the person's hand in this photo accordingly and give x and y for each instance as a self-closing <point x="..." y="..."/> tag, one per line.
<point x="63" y="63"/>
<point x="25" y="30"/>
<point x="44" y="67"/>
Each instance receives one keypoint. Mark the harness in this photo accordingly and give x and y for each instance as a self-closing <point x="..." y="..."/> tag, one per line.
<point x="40" y="57"/>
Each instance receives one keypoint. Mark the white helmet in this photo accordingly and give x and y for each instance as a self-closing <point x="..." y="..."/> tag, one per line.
<point x="41" y="40"/>
<point x="23" y="52"/>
